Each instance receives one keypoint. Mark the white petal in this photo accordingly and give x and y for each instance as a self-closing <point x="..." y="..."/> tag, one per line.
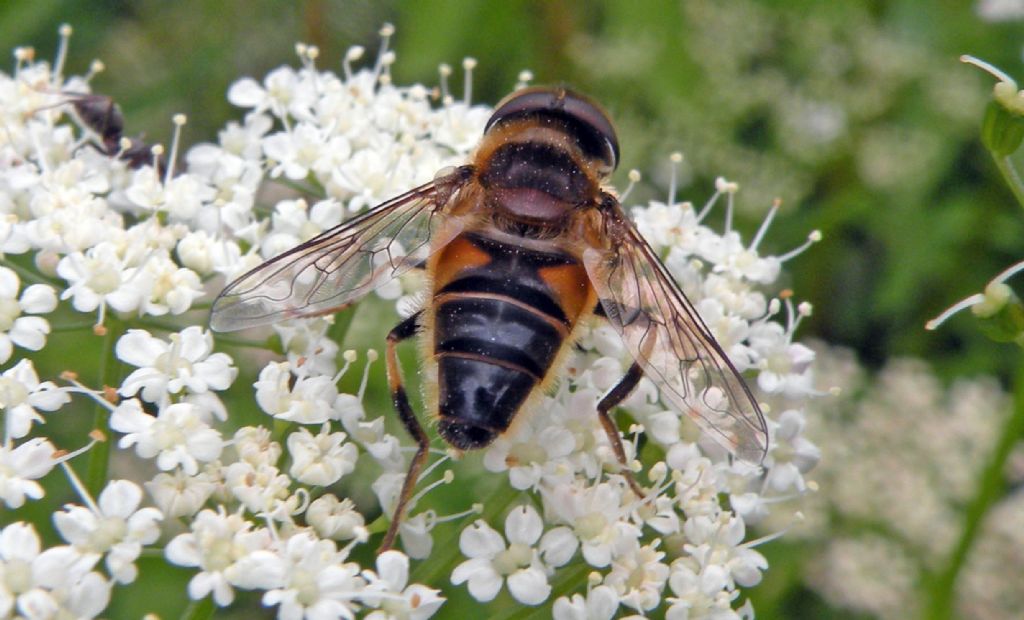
<point x="529" y="586"/>
<point x="479" y="540"/>
<point x="523" y="525"/>
<point x="120" y="498"/>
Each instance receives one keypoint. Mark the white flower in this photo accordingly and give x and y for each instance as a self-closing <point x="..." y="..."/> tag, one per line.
<point x="261" y="489"/>
<point x="639" y="577"/>
<point x="255" y="445"/>
<point x="315" y="581"/>
<point x="600" y="603"/>
<point x="186" y="362"/>
<point x="176" y="436"/>
<point x="178" y="494"/>
<point x="55" y="583"/>
<point x="791" y="453"/>
<point x="118" y="528"/>
<point x="28" y="332"/>
<point x="170" y="288"/>
<point x="404" y="601"/>
<point x="533" y="451"/>
<point x="320" y="459"/>
<point x="598" y="516"/>
<point x="99" y="277"/>
<point x="308" y="400"/>
<point x="230" y="552"/>
<point x="21" y="466"/>
<point x="336" y="519"/>
<point x="491" y="562"/>
<point x="22" y="395"/>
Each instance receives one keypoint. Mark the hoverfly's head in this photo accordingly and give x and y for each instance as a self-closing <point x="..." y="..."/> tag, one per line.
<point x="582" y="120"/>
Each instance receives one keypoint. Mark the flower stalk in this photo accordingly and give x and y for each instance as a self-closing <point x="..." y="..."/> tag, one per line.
<point x="991" y="486"/>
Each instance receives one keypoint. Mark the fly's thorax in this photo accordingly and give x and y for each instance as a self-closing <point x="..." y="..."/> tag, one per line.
<point x="535" y="171"/>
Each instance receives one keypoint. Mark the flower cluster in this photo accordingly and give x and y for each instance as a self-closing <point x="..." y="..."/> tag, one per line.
<point x="262" y="496"/>
<point x="898" y="485"/>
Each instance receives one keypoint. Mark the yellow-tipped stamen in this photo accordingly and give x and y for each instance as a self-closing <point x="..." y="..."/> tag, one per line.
<point x="179" y="122"/>
<point x="523" y="79"/>
<point x="675" y="159"/>
<point x="64" y="31"/>
<point x="443" y="71"/>
<point x="353" y="54"/>
<point x="468" y="64"/>
<point x="634" y="178"/>
<point x="386" y="31"/>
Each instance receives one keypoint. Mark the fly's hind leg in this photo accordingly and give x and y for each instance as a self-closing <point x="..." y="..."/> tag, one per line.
<point x="404" y="331"/>
<point x="611" y="400"/>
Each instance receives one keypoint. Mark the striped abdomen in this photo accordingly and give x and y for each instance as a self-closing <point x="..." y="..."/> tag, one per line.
<point x="502" y="313"/>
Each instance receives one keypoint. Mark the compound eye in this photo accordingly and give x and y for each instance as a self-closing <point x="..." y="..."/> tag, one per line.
<point x="597" y="134"/>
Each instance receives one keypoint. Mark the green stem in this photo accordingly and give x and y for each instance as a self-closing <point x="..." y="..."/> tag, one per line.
<point x="1011" y="176"/>
<point x="99" y="455"/>
<point x="991" y="485"/>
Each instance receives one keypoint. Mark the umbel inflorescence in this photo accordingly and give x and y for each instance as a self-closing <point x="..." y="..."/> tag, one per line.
<point x="138" y="245"/>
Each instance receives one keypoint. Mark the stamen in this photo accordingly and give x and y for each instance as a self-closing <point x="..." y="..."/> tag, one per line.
<point x="444" y="70"/>
<point x="468" y="64"/>
<point x="963" y="304"/>
<point x="76" y="484"/>
<point x="157" y="150"/>
<point x="62" y="52"/>
<point x="95" y="67"/>
<point x="179" y="121"/>
<point x="812" y="238"/>
<point x="353" y="54"/>
<point x="523" y="79"/>
<point x="1009" y="272"/>
<point x="711" y="201"/>
<point x="798" y="517"/>
<point x="673" y="180"/>
<point x="765" y="224"/>
<point x="634" y="178"/>
<point x="475" y="509"/>
<point x="385" y="32"/>
<point x="386" y="61"/>
<point x="371" y="357"/>
<point x="988" y="68"/>
<point x="729" y="188"/>
<point x="430" y="468"/>
<point x="349" y="356"/>
<point x="22" y="56"/>
<point x="448" y="477"/>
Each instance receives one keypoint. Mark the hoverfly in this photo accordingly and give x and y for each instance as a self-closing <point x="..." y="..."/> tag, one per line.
<point x="520" y="246"/>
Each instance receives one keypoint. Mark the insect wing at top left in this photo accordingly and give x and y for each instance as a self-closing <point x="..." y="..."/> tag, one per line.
<point x="346" y="262"/>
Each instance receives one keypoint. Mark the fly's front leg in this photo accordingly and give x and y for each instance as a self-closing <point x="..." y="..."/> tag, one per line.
<point x="611" y="400"/>
<point x="404" y="331"/>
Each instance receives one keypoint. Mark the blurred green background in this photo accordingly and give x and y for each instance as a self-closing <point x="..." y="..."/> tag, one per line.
<point x="857" y="115"/>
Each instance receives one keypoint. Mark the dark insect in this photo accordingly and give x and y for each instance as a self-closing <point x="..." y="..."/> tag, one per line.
<point x="102" y="115"/>
<point x="521" y="247"/>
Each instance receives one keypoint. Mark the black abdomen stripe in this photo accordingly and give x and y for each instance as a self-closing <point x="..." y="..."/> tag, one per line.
<point x="528" y="295"/>
<point x="498" y="329"/>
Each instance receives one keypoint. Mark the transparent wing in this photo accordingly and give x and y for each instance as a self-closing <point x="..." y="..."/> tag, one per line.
<point x="346" y="262"/>
<point x="666" y="336"/>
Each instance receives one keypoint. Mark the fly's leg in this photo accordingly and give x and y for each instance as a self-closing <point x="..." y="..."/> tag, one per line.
<point x="404" y="331"/>
<point x="611" y="400"/>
